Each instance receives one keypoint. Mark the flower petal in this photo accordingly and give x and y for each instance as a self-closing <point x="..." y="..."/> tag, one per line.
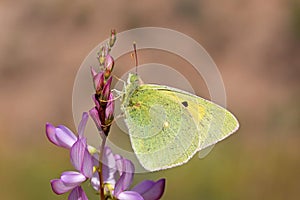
<point x="109" y="63"/>
<point x="95" y="181"/>
<point x="77" y="153"/>
<point x="67" y="131"/>
<point x="71" y="178"/>
<point x="123" y="165"/>
<point x="100" y="78"/>
<point x="129" y="170"/>
<point x="126" y="178"/>
<point x="95" y="158"/>
<point x="129" y="195"/>
<point x="77" y="194"/>
<point x="156" y="191"/>
<point x="59" y="187"/>
<point x="120" y="185"/>
<point x="106" y="89"/>
<point x="119" y="163"/>
<point x="96" y="101"/>
<point x="143" y="186"/>
<point x="50" y="133"/>
<point x="87" y="165"/>
<point x="109" y="166"/>
<point x="95" y="116"/>
<point x="82" y="124"/>
<point x="65" y="137"/>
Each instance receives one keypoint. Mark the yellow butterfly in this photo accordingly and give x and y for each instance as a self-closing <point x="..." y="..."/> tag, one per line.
<point x="167" y="126"/>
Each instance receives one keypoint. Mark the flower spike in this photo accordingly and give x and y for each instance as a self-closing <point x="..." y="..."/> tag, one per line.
<point x="109" y="174"/>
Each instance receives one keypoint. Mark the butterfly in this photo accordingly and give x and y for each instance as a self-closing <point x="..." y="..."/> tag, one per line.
<point x="167" y="126"/>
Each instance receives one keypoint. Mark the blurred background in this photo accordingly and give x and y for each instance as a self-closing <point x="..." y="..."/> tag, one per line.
<point x="255" y="44"/>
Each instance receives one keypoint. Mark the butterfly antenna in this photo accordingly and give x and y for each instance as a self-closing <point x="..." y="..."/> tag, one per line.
<point x="135" y="56"/>
<point x="119" y="79"/>
<point x="106" y="101"/>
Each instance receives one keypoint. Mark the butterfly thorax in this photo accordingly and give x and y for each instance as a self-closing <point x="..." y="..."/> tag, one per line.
<point x="133" y="82"/>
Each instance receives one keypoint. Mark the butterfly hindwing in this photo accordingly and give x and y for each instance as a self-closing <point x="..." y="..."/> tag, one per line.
<point x="162" y="132"/>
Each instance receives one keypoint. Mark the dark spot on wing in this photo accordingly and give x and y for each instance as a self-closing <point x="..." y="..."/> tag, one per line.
<point x="185" y="103"/>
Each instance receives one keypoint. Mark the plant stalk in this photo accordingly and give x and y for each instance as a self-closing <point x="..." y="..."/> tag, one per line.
<point x="102" y="197"/>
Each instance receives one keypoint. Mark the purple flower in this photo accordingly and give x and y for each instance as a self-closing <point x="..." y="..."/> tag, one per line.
<point x="71" y="180"/>
<point x="84" y="162"/>
<point x="108" y="169"/>
<point x="77" y="194"/>
<point x="126" y="170"/>
<point x="81" y="159"/>
<point x="146" y="190"/>
<point x="150" y="190"/>
<point x="62" y="136"/>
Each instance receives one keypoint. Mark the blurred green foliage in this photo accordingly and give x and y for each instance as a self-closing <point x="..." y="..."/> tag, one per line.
<point x="295" y="18"/>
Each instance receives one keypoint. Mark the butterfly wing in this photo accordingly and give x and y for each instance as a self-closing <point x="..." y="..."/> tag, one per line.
<point x="214" y="122"/>
<point x="162" y="133"/>
<point x="168" y="126"/>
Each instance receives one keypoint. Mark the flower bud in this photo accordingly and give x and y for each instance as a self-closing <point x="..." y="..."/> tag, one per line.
<point x="102" y="54"/>
<point x="109" y="111"/>
<point x="100" y="83"/>
<point x="106" y="90"/>
<point x="113" y="37"/>
<point x="98" y="80"/>
<point x="96" y="101"/>
<point x="108" y="64"/>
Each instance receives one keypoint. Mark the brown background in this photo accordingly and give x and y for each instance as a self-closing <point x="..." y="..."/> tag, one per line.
<point x="254" y="43"/>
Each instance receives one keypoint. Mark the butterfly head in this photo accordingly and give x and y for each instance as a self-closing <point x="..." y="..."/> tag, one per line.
<point x="132" y="78"/>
